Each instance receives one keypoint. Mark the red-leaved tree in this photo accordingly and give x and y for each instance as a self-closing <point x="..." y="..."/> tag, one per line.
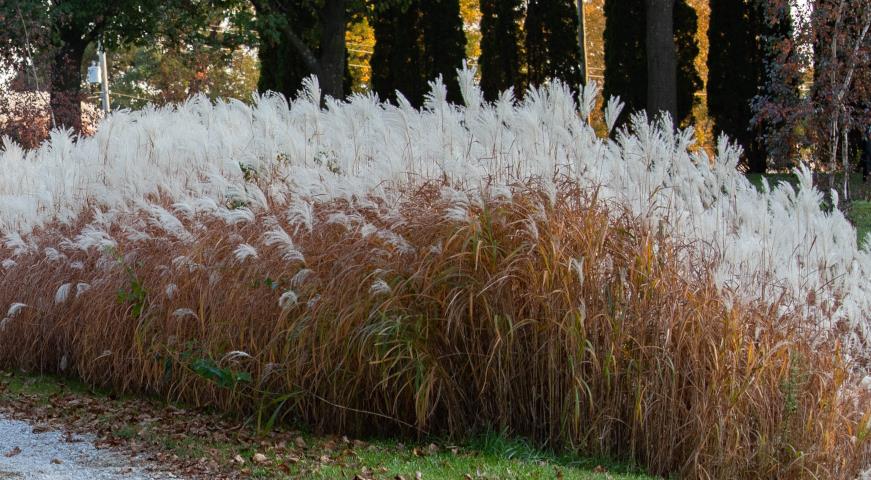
<point x="828" y="55"/>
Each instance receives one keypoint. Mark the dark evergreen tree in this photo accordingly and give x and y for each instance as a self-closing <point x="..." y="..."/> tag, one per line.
<point x="416" y="42"/>
<point x="736" y="71"/>
<point x="625" y="58"/>
<point x="626" y="55"/>
<point x="552" y="49"/>
<point x="444" y="43"/>
<point x="398" y="51"/>
<point x="689" y="82"/>
<point x="282" y="67"/>
<point x="661" y="57"/>
<point x="500" y="47"/>
<point x="302" y="38"/>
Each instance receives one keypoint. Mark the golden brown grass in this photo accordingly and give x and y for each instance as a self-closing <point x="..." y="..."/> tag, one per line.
<point x="561" y="320"/>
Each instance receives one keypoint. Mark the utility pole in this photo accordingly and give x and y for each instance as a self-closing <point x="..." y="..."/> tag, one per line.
<point x="104" y="77"/>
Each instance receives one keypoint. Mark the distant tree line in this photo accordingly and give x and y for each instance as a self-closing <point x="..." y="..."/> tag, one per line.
<point x="755" y="64"/>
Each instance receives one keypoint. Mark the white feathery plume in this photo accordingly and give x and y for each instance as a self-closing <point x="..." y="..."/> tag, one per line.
<point x="277" y="236"/>
<point x="379" y="287"/>
<point x="63" y="292"/>
<point x="234" y="355"/>
<point x="184" y="312"/>
<point x="163" y="219"/>
<point x="14" y="309"/>
<point x="244" y="251"/>
<point x="81" y="288"/>
<point x="91" y="237"/>
<point x="188" y="156"/>
<point x="52" y="255"/>
<point x="301" y="213"/>
<point x="458" y="204"/>
<point x="18" y="245"/>
<point x="288" y="299"/>
<point x="300" y="277"/>
<point x="312" y="302"/>
<point x="577" y="266"/>
<point x="236" y="216"/>
<point x="612" y="112"/>
<point x="368" y="229"/>
<point x="589" y="94"/>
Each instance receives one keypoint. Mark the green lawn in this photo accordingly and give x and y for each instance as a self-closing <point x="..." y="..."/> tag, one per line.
<point x="860" y="215"/>
<point x="501" y="459"/>
<point x="773" y="179"/>
<point x="203" y="442"/>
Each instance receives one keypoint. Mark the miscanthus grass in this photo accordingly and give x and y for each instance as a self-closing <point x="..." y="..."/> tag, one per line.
<point x="375" y="268"/>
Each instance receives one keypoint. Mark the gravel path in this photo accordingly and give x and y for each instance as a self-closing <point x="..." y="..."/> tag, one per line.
<point x="50" y="455"/>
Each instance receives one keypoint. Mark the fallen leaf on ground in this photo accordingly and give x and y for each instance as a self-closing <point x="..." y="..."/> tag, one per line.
<point x="12" y="453"/>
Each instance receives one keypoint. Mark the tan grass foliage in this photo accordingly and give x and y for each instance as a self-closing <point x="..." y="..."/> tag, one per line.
<point x="551" y="316"/>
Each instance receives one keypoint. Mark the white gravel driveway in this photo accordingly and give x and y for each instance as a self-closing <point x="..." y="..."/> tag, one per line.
<point x="53" y="455"/>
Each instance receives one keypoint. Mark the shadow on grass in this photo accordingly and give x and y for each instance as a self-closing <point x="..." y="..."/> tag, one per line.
<point x="292" y="453"/>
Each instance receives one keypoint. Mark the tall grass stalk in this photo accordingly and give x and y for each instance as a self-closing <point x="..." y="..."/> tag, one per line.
<point x="555" y="316"/>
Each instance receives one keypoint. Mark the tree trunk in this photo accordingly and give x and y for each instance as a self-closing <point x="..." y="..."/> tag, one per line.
<point x="66" y="83"/>
<point x="845" y="155"/>
<point x="661" y="58"/>
<point x="582" y="41"/>
<point x="286" y="58"/>
<point x="833" y="133"/>
<point x="331" y="65"/>
<point x="444" y="44"/>
<point x="833" y="145"/>
<point x="499" y="63"/>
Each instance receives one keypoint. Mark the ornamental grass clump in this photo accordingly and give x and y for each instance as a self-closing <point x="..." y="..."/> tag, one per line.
<point x="375" y="269"/>
<point x="550" y="314"/>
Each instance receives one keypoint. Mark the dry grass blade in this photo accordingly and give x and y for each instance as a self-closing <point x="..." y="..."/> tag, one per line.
<point x="553" y="316"/>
